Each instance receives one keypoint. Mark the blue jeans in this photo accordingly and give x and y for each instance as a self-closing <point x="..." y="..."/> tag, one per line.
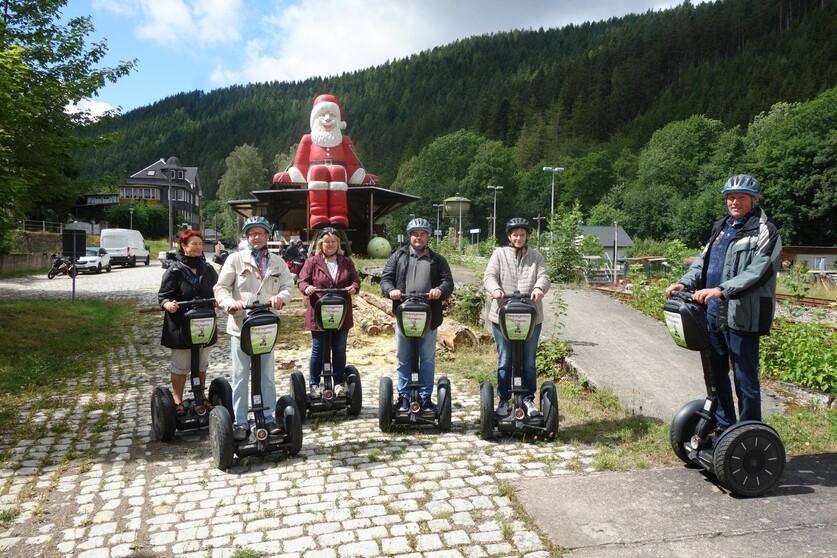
<point x="504" y="364"/>
<point x="241" y="383"/>
<point x="338" y="356"/>
<point x="726" y="345"/>
<point x="427" y="362"/>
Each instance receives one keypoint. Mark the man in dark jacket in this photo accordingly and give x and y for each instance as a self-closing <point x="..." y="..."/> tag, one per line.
<point x="735" y="276"/>
<point x="416" y="268"/>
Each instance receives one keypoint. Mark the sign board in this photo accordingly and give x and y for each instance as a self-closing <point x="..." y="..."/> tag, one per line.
<point x="73" y="243"/>
<point x="437" y="232"/>
<point x="475" y="231"/>
<point x="400" y="238"/>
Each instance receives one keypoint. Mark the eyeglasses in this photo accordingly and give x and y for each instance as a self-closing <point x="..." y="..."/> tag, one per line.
<point x="256" y="233"/>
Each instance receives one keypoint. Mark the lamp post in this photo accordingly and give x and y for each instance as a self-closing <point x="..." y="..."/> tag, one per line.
<point x="553" y="170"/>
<point x="171" y="167"/>
<point x="494" y="215"/>
<point x="131" y="218"/>
<point x="438" y="207"/>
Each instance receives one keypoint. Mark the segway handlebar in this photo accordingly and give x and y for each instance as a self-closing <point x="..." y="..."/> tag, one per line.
<point x="332" y="290"/>
<point x="685" y="296"/>
<point x="185" y="305"/>
<point x="517" y="295"/>
<point x="414" y="294"/>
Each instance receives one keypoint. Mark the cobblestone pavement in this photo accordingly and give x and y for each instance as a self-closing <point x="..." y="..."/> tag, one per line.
<point x="100" y="486"/>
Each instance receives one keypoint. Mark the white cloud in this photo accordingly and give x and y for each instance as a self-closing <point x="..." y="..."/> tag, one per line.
<point x="93" y="109"/>
<point x="181" y="23"/>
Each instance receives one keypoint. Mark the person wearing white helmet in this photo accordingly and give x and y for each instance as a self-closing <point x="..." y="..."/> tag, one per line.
<point x="417" y="268"/>
<point x="250" y="276"/>
<point x="735" y="276"/>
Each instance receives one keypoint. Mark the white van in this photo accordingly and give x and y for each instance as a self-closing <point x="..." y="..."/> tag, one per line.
<point x="125" y="246"/>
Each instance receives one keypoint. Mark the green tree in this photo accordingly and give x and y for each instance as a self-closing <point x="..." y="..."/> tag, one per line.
<point x="244" y="173"/>
<point x="563" y="246"/>
<point x="46" y="67"/>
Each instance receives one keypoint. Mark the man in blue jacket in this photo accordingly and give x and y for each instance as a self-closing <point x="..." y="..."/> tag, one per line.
<point x="735" y="276"/>
<point x="417" y="268"/>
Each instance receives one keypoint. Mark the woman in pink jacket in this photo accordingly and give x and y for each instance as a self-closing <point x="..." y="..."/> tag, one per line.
<point x="327" y="268"/>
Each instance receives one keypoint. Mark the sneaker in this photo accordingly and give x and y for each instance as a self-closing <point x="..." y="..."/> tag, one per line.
<point x="316" y="392"/>
<point x="503" y="408"/>
<point x="403" y="404"/>
<point x="531" y="410"/>
<point x="272" y="429"/>
<point x="340" y="390"/>
<point x="427" y="406"/>
<point x="239" y="433"/>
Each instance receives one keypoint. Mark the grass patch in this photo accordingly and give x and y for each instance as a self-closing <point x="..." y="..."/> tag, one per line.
<point x="52" y="340"/>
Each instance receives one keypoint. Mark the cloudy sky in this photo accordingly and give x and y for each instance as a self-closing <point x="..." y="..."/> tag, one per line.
<point x="184" y="45"/>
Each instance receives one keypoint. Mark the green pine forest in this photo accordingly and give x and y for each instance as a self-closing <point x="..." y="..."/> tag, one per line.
<point x="648" y="114"/>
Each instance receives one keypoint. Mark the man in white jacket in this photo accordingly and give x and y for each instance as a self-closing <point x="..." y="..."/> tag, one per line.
<point x="251" y="276"/>
<point x="516" y="267"/>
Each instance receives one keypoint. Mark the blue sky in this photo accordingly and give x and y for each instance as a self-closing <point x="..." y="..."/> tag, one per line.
<point x="184" y="45"/>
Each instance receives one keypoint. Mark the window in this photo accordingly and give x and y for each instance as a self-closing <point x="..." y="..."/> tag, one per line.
<point x="180" y="175"/>
<point x="152" y="173"/>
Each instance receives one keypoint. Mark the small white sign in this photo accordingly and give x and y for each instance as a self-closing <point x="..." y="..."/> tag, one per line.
<point x="475" y="231"/>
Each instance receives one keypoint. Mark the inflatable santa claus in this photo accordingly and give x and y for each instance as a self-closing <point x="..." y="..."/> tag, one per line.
<point x="327" y="161"/>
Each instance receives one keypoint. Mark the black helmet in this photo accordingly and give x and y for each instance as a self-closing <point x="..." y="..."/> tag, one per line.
<point x="517" y="223"/>
<point x="327" y="230"/>
<point x="419" y="223"/>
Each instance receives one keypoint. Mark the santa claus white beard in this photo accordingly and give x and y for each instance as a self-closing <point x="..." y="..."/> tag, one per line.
<point x="326" y="139"/>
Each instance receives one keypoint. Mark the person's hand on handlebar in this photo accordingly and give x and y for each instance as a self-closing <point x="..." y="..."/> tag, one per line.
<point x="276" y="302"/>
<point x="497" y="294"/>
<point x="395" y="294"/>
<point x="170" y="306"/>
<point x="434" y="294"/>
<point x="236" y="306"/>
<point x="537" y="294"/>
<point x="309" y="290"/>
<point x="672" y="288"/>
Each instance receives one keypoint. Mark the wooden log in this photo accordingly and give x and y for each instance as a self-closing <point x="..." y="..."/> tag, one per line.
<point x="454" y="335"/>
<point x="378" y="302"/>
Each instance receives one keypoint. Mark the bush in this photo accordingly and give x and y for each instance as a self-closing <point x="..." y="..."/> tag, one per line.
<point x="467" y="305"/>
<point x="802" y="353"/>
<point x="550" y="356"/>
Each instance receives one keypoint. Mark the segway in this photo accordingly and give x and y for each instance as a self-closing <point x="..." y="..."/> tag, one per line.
<point x="197" y="330"/>
<point x="517" y="323"/>
<point x="413" y="320"/>
<point x="258" y="337"/>
<point x="748" y="457"/>
<point x="330" y="312"/>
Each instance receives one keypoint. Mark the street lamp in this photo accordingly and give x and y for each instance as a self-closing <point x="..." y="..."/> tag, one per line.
<point x="438" y="207"/>
<point x="553" y="170"/>
<point x="170" y="168"/>
<point x="494" y="218"/>
<point x="131" y="213"/>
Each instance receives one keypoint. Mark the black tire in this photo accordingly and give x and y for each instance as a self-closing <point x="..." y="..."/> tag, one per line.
<point x="163" y="415"/>
<point x="108" y="268"/>
<point x="288" y="415"/>
<point x="221" y="437"/>
<point x="683" y="427"/>
<point x="147" y="260"/>
<point x="299" y="394"/>
<point x="549" y="409"/>
<point x="385" y="404"/>
<point x="749" y="459"/>
<point x="443" y="399"/>
<point x="51" y="274"/>
<point x="486" y="411"/>
<point x="133" y="262"/>
<point x="355" y="391"/>
<point x="220" y="393"/>
<point x="99" y="268"/>
<point x="73" y="272"/>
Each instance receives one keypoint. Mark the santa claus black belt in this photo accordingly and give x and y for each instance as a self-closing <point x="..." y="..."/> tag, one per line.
<point x="328" y="162"/>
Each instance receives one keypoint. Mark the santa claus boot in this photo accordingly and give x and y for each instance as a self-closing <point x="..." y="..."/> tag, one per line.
<point x="338" y="209"/>
<point x="318" y="204"/>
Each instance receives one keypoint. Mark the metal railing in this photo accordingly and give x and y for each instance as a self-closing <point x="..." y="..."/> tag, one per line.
<point x="40" y="226"/>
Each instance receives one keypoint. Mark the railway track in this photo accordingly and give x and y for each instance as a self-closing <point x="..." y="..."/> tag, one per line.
<point x="808" y="301"/>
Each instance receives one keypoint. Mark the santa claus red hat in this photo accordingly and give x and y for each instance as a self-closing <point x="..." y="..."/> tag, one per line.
<point x="327" y="102"/>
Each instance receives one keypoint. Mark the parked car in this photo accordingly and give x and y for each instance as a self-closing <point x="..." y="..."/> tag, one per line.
<point x="94" y="260"/>
<point x="165" y="258"/>
<point x="126" y="246"/>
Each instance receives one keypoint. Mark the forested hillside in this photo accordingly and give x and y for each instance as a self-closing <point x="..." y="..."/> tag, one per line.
<point x="591" y="94"/>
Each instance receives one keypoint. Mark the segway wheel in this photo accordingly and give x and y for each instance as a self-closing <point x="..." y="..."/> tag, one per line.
<point x="682" y="429"/>
<point x="163" y="414"/>
<point x="298" y="393"/>
<point x="749" y="459"/>
<point x="221" y="437"/>
<point x="355" y="391"/>
<point x="287" y="414"/>
<point x="486" y="411"/>
<point x="220" y="393"/>
<point x="445" y="405"/>
<point x="549" y="409"/>
<point x="385" y="404"/>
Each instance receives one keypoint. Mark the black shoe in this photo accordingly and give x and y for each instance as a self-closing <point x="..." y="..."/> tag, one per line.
<point x="427" y="406"/>
<point x="239" y="433"/>
<point x="503" y="409"/>
<point x="403" y="404"/>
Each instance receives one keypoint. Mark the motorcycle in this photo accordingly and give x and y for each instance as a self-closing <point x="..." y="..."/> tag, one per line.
<point x="61" y="266"/>
<point x="295" y="265"/>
